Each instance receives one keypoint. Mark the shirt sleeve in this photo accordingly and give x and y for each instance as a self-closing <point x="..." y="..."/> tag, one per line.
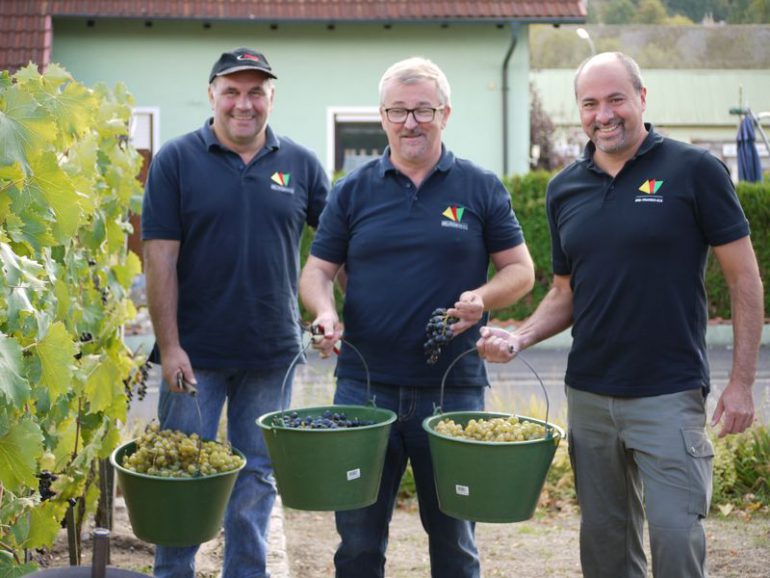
<point x="559" y="261"/>
<point x="502" y="228"/>
<point x="331" y="238"/>
<point x="160" y="206"/>
<point x="317" y="194"/>
<point x="719" y="211"/>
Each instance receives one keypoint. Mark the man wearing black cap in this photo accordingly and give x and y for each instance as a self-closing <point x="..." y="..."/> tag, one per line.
<point x="224" y="209"/>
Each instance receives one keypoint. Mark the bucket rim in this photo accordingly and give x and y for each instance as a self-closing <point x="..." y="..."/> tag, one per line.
<point x="126" y="471"/>
<point x="263" y="419"/>
<point x="557" y="431"/>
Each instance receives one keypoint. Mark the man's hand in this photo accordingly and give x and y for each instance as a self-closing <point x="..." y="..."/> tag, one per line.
<point x="735" y="409"/>
<point x="327" y="331"/>
<point x="175" y="361"/>
<point x="468" y="310"/>
<point x="498" y="345"/>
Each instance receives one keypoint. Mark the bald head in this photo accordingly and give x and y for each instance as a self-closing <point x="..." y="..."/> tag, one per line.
<point x="604" y="58"/>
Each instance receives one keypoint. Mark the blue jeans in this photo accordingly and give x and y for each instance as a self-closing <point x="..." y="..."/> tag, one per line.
<point x="364" y="532"/>
<point x="249" y="394"/>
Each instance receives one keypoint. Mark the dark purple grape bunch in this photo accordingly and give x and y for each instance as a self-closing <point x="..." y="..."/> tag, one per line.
<point x="44" y="481"/>
<point x="327" y="420"/>
<point x="438" y="333"/>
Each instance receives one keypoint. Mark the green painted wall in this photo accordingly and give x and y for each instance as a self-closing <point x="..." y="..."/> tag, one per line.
<point x="167" y="65"/>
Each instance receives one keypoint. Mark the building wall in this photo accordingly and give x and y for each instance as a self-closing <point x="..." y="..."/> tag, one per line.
<point x="167" y="64"/>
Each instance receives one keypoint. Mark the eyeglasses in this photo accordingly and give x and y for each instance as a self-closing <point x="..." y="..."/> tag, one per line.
<point x="398" y="115"/>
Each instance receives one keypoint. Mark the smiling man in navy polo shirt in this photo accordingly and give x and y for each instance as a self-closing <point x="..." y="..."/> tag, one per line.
<point x="632" y="222"/>
<point x="224" y="210"/>
<point x="416" y="229"/>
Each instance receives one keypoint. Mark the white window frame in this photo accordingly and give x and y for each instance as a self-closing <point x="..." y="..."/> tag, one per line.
<point x="154" y="137"/>
<point x="348" y="114"/>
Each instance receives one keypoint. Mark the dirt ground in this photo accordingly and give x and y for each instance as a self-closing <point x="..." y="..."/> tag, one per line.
<point x="545" y="546"/>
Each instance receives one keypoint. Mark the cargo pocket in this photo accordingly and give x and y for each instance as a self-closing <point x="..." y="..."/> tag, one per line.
<point x="700" y="454"/>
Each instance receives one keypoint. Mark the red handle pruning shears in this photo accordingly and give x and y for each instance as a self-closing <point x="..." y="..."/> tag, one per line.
<point x="317" y="331"/>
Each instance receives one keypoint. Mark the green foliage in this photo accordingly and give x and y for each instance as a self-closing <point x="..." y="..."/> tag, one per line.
<point x="755" y="200"/>
<point x="678" y="45"/>
<point x="67" y="180"/>
<point x="742" y="468"/>
<point x="650" y="12"/>
<point x="618" y="12"/>
<point x="528" y="198"/>
<point x="741" y="477"/>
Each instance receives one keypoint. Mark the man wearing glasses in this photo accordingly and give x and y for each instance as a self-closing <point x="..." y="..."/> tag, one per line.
<point x="416" y="230"/>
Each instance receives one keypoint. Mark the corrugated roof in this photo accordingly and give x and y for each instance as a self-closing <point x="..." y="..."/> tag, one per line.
<point x="25" y="25"/>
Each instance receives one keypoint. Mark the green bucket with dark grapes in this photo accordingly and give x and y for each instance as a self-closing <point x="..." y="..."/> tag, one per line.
<point x="328" y="468"/>
<point x="174" y="511"/>
<point x="489" y="481"/>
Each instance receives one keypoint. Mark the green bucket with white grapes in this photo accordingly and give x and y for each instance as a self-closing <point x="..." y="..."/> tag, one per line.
<point x="489" y="481"/>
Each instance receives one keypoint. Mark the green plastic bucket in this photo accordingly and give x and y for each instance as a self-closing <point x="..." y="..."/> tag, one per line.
<point x="489" y="481"/>
<point x="328" y="469"/>
<point x="173" y="511"/>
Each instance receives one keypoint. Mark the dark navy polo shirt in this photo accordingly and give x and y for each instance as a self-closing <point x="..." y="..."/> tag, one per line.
<point x="239" y="227"/>
<point x="407" y="251"/>
<point x="636" y="247"/>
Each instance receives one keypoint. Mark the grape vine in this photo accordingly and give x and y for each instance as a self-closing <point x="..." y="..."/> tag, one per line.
<point x="67" y="184"/>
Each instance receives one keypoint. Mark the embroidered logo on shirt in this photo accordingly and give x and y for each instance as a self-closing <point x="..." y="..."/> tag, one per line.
<point x="650" y="187"/>
<point x="281" y="181"/>
<point x="455" y="216"/>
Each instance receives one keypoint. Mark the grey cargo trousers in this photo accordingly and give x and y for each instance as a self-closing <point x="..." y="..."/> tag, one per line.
<point x="637" y="455"/>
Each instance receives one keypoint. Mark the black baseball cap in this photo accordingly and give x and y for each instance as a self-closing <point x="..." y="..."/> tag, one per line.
<point x="240" y="59"/>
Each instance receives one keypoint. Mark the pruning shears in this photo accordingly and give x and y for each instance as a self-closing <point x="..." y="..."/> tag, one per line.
<point x="185" y="386"/>
<point x="317" y="331"/>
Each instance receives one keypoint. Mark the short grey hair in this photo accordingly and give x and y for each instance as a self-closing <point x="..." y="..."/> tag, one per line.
<point x="632" y="68"/>
<point x="414" y="70"/>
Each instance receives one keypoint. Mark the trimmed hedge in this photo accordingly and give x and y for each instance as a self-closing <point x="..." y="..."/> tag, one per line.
<point x="528" y="198"/>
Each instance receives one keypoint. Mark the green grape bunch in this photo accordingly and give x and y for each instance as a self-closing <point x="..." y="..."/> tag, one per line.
<point x="498" y="429"/>
<point x="173" y="454"/>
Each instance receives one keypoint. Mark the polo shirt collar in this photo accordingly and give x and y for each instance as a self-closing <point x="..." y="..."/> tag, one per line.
<point x="271" y="140"/>
<point x="445" y="162"/>
<point x="650" y="141"/>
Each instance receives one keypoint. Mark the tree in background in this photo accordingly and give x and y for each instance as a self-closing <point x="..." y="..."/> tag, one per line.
<point x="650" y="12"/>
<point x="618" y="12"/>
<point x="541" y="131"/>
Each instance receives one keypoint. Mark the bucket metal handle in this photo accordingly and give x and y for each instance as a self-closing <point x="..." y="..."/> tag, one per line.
<point x="548" y="427"/>
<point x="279" y="419"/>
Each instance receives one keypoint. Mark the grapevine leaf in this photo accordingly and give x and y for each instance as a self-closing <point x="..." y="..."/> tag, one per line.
<point x="50" y="182"/>
<point x="12" y="385"/>
<point x="56" y="352"/>
<point x="127" y="272"/>
<point x="20" y="449"/>
<point x="66" y="432"/>
<point x="62" y="293"/>
<point x="25" y="127"/>
<point x="104" y="385"/>
<point x="45" y="524"/>
<point x="19" y="270"/>
<point x="72" y="109"/>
